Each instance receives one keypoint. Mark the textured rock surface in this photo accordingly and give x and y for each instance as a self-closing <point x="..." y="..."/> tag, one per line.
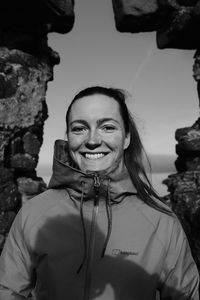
<point x="26" y="66"/>
<point x="184" y="186"/>
<point x="27" y="79"/>
<point x="188" y="148"/>
<point x="184" y="199"/>
<point x="29" y="187"/>
<point x="175" y="21"/>
<point x="34" y="12"/>
<point x="136" y="15"/>
<point x="24" y="25"/>
<point x="181" y="21"/>
<point x="23" y="111"/>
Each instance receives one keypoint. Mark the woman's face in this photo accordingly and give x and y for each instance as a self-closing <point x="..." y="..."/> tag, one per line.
<point x="96" y="133"/>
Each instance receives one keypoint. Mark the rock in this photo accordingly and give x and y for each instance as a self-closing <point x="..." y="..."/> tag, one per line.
<point x="192" y="146"/>
<point x="28" y="103"/>
<point x="30" y="186"/>
<point x="188" y="148"/>
<point x="43" y="15"/>
<point x="25" y="25"/>
<point x="24" y="162"/>
<point x="188" y="163"/>
<point x="184" y="199"/>
<point x="176" y="22"/>
<point x="9" y="197"/>
<point x="31" y="143"/>
<point x="136" y="15"/>
<point x="4" y="141"/>
<point x="196" y="66"/>
<point x="179" y="25"/>
<point x="6" y="176"/>
<point x="6" y="219"/>
<point x="183" y="182"/>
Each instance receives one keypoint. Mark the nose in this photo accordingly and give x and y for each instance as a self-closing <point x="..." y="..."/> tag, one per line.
<point x="93" y="140"/>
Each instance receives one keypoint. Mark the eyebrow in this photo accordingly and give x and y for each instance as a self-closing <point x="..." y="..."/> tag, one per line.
<point x="99" y="122"/>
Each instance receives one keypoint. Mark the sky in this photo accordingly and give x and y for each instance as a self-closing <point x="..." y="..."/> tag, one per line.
<point x="164" y="93"/>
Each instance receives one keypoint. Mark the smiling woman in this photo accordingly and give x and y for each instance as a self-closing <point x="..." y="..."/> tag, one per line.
<point x="96" y="134"/>
<point x="100" y="230"/>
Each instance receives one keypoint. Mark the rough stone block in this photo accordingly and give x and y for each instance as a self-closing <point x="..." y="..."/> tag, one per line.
<point x="27" y="106"/>
<point x="185" y="147"/>
<point x="6" y="175"/>
<point x="188" y="141"/>
<point x="24" y="162"/>
<point x="8" y="85"/>
<point x="56" y="14"/>
<point x="4" y="141"/>
<point x="176" y="22"/>
<point x="196" y="66"/>
<point x="31" y="144"/>
<point x="9" y="197"/>
<point x="184" y="199"/>
<point x="16" y="145"/>
<point x="183" y="182"/>
<point x="180" y="24"/>
<point x="192" y="163"/>
<point x="136" y="15"/>
<point x="28" y="186"/>
<point x="6" y="219"/>
<point x="187" y="134"/>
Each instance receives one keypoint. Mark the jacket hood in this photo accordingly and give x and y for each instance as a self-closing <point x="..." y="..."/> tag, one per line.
<point x="67" y="176"/>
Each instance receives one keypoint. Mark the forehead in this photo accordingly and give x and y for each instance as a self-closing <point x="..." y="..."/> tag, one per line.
<point x="95" y="107"/>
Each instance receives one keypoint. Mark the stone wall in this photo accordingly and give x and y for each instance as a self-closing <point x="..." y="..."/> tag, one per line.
<point x="26" y="67"/>
<point x="176" y="22"/>
<point x="23" y="110"/>
<point x="184" y="186"/>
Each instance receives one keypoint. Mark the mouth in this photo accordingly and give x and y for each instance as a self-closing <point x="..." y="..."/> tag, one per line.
<point x="94" y="156"/>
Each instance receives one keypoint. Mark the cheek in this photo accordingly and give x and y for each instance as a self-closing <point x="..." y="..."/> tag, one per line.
<point x="73" y="142"/>
<point x="116" y="142"/>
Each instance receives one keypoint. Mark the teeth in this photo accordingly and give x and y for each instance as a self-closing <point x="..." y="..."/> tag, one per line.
<point x="94" y="156"/>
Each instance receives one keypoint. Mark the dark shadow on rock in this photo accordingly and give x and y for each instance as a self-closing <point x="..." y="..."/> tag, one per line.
<point x="59" y="252"/>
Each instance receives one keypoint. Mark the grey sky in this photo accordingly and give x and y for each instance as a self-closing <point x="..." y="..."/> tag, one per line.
<point x="164" y="92"/>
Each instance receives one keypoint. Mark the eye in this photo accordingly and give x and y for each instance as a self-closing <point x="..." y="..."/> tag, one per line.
<point x="78" y="129"/>
<point x="108" y="128"/>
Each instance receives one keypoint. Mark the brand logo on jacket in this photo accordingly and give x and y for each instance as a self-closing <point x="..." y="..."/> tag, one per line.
<point x="117" y="252"/>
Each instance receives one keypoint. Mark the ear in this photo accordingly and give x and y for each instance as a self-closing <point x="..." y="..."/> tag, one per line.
<point x="127" y="141"/>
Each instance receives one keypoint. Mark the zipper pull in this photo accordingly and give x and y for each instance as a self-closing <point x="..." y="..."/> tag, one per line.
<point x="96" y="181"/>
<point x="96" y="187"/>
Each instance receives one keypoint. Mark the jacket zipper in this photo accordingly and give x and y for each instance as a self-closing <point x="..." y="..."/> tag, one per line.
<point x="90" y="255"/>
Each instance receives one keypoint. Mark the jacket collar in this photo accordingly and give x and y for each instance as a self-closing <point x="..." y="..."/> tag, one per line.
<point x="67" y="176"/>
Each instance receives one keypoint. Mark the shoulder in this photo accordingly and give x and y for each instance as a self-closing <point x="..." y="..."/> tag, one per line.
<point x="43" y="201"/>
<point x="41" y="206"/>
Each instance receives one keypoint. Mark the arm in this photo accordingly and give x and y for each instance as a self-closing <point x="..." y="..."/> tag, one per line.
<point x="16" y="268"/>
<point x="180" y="278"/>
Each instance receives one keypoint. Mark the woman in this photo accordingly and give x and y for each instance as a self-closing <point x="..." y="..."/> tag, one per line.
<point x="100" y="231"/>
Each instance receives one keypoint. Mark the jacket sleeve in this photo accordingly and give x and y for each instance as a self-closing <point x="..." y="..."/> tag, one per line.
<point x="7" y="294"/>
<point x="16" y="268"/>
<point x="180" y="278"/>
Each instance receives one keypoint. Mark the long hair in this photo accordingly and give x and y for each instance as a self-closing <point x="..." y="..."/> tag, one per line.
<point x="135" y="153"/>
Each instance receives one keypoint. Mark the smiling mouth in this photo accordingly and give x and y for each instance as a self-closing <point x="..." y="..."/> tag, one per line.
<point x="94" y="156"/>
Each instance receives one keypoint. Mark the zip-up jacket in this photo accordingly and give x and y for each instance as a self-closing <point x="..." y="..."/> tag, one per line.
<point x="90" y="237"/>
